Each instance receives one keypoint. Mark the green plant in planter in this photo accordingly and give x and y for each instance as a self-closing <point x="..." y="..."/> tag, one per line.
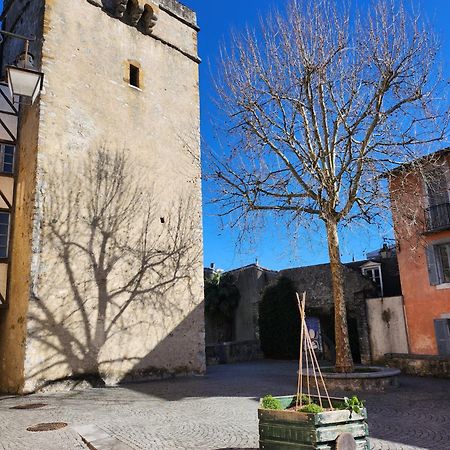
<point x="269" y="402"/>
<point x="305" y="400"/>
<point x="353" y="404"/>
<point x="331" y="424"/>
<point x="311" y="408"/>
<point x="311" y="427"/>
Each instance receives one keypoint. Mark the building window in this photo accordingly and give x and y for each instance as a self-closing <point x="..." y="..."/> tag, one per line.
<point x="437" y="184"/>
<point x="374" y="274"/>
<point x="134" y="76"/>
<point x="442" y="330"/>
<point x="4" y="234"/>
<point x="443" y="258"/>
<point x="7" y="158"/>
<point x="438" y="258"/>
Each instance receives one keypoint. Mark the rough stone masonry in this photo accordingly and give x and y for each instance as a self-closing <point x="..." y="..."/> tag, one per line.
<point x="106" y="277"/>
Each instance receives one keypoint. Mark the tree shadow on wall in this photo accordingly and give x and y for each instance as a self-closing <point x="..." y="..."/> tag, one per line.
<point x="116" y="276"/>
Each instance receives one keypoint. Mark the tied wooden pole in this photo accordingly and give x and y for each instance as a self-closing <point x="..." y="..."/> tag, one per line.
<point x="301" y="308"/>
<point x="307" y="348"/>
<point x="307" y="369"/>
<point x="320" y="374"/>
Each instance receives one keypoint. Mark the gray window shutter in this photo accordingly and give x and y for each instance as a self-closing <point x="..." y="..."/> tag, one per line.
<point x="432" y="266"/>
<point x="441" y="328"/>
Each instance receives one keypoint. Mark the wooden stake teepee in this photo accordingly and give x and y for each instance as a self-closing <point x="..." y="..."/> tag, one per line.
<point x="312" y="365"/>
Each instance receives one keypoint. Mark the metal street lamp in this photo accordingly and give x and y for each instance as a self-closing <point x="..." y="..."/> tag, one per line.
<point x="384" y="252"/>
<point x="23" y="79"/>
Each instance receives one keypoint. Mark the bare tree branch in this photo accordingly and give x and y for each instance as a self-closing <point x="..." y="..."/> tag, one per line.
<point x="317" y="104"/>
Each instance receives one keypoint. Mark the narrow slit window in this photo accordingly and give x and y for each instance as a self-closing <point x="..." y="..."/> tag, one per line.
<point x="134" y="76"/>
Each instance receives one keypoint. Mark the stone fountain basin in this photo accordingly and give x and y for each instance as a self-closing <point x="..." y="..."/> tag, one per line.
<point x="374" y="379"/>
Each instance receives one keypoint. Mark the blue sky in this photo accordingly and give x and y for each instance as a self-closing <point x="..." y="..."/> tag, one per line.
<point x="273" y="249"/>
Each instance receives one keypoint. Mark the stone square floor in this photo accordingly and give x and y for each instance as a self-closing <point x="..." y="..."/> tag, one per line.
<point x="217" y="411"/>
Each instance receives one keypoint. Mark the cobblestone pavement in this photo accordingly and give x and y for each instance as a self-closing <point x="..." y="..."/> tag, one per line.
<point x="217" y="411"/>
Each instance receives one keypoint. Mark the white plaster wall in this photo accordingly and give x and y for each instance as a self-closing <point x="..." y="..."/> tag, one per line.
<point x="87" y="104"/>
<point x="387" y="331"/>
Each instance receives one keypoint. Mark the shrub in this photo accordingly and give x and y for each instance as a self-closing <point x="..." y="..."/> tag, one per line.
<point x="353" y="404"/>
<point x="269" y="402"/>
<point x="311" y="408"/>
<point x="221" y="296"/>
<point x="306" y="399"/>
<point x="279" y="321"/>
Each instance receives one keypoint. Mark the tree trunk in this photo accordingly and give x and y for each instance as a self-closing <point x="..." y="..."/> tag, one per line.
<point x="344" y="362"/>
<point x="100" y="326"/>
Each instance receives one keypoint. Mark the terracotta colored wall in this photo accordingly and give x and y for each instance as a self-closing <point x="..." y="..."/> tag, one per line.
<point x="423" y="302"/>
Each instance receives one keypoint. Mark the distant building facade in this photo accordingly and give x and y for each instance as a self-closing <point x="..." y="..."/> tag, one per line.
<point x="421" y="213"/>
<point x="380" y="284"/>
<point x="104" y="258"/>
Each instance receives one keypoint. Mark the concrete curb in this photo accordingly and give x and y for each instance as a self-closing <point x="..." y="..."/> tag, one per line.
<point x="97" y="439"/>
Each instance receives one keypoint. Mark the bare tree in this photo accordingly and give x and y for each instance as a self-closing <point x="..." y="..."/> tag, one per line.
<point x="112" y="254"/>
<point x="318" y="103"/>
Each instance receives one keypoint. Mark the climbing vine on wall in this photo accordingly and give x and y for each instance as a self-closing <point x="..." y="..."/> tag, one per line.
<point x="221" y="296"/>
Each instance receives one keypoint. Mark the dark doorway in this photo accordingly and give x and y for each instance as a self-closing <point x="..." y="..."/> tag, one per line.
<point x="354" y="339"/>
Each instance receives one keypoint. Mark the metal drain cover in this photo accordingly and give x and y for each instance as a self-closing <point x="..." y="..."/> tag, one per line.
<point x="52" y="426"/>
<point x="30" y="406"/>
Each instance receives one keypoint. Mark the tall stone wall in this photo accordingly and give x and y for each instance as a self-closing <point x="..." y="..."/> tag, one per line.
<point x="116" y="270"/>
<point x="251" y="284"/>
<point x="316" y="282"/>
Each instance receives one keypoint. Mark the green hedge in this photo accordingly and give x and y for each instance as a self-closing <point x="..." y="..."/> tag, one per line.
<point x="279" y="321"/>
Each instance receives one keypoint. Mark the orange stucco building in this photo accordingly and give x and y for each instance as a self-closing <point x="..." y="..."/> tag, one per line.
<point x="420" y="195"/>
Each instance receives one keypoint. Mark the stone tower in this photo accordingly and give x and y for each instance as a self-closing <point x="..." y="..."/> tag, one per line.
<point x="105" y="251"/>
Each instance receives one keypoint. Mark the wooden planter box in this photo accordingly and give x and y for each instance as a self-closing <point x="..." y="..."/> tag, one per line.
<point x="288" y="430"/>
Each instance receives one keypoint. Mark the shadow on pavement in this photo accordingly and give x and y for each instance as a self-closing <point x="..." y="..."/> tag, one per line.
<point x="252" y="379"/>
<point x="417" y="414"/>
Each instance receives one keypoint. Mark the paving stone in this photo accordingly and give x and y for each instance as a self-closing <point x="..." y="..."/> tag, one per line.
<point x="98" y="439"/>
<point x="217" y="411"/>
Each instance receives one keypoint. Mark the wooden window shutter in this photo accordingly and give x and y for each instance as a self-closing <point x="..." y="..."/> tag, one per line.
<point x="442" y="332"/>
<point x="433" y="270"/>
